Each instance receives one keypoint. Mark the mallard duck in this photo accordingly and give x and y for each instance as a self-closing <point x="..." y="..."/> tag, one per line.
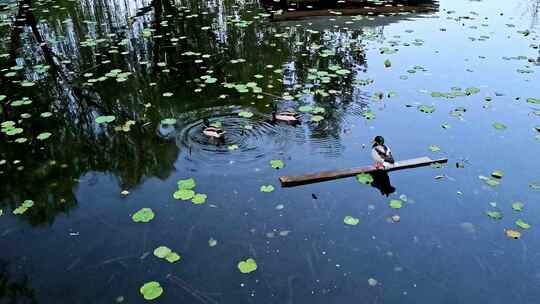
<point x="212" y="131"/>
<point x="381" y="154"/>
<point x="287" y="116"/>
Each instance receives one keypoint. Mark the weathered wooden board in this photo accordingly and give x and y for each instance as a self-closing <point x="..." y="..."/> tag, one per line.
<point x="291" y="181"/>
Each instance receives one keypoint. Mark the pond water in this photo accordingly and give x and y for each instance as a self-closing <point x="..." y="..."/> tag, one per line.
<point x="101" y="97"/>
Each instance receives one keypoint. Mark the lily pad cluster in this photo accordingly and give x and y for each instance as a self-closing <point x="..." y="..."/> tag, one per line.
<point x="185" y="192"/>
<point x="164" y="252"/>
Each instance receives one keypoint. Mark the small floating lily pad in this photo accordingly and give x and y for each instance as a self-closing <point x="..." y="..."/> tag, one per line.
<point x="184" y="194"/>
<point x="245" y="114"/>
<point x="387" y="63"/>
<point x="151" y="290"/>
<point x="105" y="119"/>
<point x="364" y="178"/>
<point x="522" y="224"/>
<point x="317" y="118"/>
<point x="368" y="115"/>
<point x="533" y="100"/>
<point x="517" y="206"/>
<point x="162" y="251"/>
<point x="434" y="148"/>
<point x="212" y="242"/>
<point x="499" y="126"/>
<point x="494" y="215"/>
<point x="395" y="204"/>
<point x="305" y="109"/>
<point x="199" y="199"/>
<point x="44" y="135"/>
<point x="186" y="184"/>
<point x="277" y="164"/>
<point x="232" y="147"/>
<point x="144" y="215"/>
<point x="172" y="257"/>
<point x="247" y="266"/>
<point x="426" y="109"/>
<point x="267" y="188"/>
<point x="349" y="220"/>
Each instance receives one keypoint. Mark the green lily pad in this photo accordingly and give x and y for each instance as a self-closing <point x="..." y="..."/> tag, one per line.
<point x="492" y="182"/>
<point x="168" y="121"/>
<point x="277" y="164"/>
<point x="186" y="184"/>
<point x="199" y="199"/>
<point x="387" y="63"/>
<point x="305" y="109"/>
<point x="317" y="118"/>
<point x="517" y="206"/>
<point x="499" y="126"/>
<point x="267" y="188"/>
<point x="184" y="194"/>
<point x="151" y="290"/>
<point x="247" y="266"/>
<point x="245" y="114"/>
<point x="522" y="224"/>
<point x="162" y="251"/>
<point x="426" y="109"/>
<point x="364" y="178"/>
<point x="44" y="135"/>
<point x="349" y="220"/>
<point x="212" y="242"/>
<point x="395" y="204"/>
<point x="144" y="215"/>
<point x="172" y="257"/>
<point x="497" y="174"/>
<point x="494" y="215"/>
<point x="533" y="100"/>
<point x="28" y="203"/>
<point x="105" y="119"/>
<point x="232" y="147"/>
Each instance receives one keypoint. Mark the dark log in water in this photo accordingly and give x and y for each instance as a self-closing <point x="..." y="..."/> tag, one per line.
<point x="291" y="181"/>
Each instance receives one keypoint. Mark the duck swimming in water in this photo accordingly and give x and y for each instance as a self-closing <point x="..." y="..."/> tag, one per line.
<point x="381" y="154"/>
<point x="212" y="131"/>
<point x="286" y="116"/>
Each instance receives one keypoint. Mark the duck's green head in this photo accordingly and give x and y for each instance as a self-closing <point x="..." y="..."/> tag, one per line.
<point x="379" y="140"/>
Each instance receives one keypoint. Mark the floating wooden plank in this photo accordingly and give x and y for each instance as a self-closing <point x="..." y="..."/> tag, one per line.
<point x="291" y="181"/>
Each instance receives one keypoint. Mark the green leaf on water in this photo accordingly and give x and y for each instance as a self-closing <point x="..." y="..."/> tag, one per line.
<point x="489" y="181"/>
<point x="494" y="215"/>
<point x="186" y="184"/>
<point x="232" y="147"/>
<point x="184" y="194"/>
<point x="151" y="290"/>
<point x="172" y="257"/>
<point x="364" y="178"/>
<point x="105" y="119"/>
<point x="168" y="121"/>
<point x="349" y="220"/>
<point x="426" y="109"/>
<point x="245" y="114"/>
<point x="247" y="266"/>
<point x="199" y="198"/>
<point x="317" y="118"/>
<point x="305" y="109"/>
<point x="44" y="135"/>
<point x="212" y="242"/>
<point x="518" y="206"/>
<point x="533" y="100"/>
<point x="497" y="174"/>
<point x="395" y="204"/>
<point x="267" y="188"/>
<point x="277" y="164"/>
<point x="162" y="251"/>
<point x="499" y="126"/>
<point x="144" y="215"/>
<point x="387" y="63"/>
<point x="522" y="224"/>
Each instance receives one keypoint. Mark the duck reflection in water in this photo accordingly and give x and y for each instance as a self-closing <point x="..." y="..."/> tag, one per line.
<point x="381" y="181"/>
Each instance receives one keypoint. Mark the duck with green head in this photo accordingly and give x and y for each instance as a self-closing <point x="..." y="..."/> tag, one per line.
<point x="381" y="154"/>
